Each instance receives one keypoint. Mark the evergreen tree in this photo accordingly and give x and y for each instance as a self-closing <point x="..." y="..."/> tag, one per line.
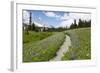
<point x="80" y="23"/>
<point x="73" y="25"/>
<point x="84" y="23"/>
<point x="33" y="26"/>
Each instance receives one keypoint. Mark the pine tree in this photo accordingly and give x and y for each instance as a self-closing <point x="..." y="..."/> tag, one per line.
<point x="33" y="26"/>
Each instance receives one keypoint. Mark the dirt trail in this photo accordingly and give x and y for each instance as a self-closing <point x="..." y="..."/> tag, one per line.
<point x="63" y="49"/>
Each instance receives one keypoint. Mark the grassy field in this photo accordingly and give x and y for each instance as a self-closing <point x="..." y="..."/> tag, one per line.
<point x="81" y="44"/>
<point x="41" y="46"/>
<point x="35" y="36"/>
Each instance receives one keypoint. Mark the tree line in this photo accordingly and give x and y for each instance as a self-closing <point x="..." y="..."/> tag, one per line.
<point x="81" y="24"/>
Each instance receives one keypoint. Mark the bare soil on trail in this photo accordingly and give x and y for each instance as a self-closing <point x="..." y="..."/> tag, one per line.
<point x="63" y="49"/>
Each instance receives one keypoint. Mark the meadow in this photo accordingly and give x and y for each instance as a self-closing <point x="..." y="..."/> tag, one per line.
<point x="81" y="44"/>
<point x="41" y="46"/>
<point x="35" y="36"/>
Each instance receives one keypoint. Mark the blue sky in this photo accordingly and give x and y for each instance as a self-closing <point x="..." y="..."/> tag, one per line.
<point x="54" y="18"/>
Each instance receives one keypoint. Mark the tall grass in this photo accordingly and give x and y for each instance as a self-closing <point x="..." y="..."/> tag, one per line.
<point x="35" y="36"/>
<point x="43" y="50"/>
<point x="81" y="44"/>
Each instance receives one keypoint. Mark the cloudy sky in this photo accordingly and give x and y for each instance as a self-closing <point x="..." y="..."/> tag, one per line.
<point x="55" y="19"/>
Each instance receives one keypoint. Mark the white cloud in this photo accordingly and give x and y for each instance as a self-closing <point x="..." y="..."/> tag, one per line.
<point x="69" y="19"/>
<point x="65" y="17"/>
<point x="26" y="17"/>
<point x="66" y="23"/>
<point x="82" y="16"/>
<point x="51" y="14"/>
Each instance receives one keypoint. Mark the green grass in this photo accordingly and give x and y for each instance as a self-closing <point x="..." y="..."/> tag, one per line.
<point x="81" y="44"/>
<point x="34" y="36"/>
<point x="44" y="49"/>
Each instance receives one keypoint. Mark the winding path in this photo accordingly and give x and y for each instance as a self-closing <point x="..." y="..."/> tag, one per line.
<point x="63" y="49"/>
